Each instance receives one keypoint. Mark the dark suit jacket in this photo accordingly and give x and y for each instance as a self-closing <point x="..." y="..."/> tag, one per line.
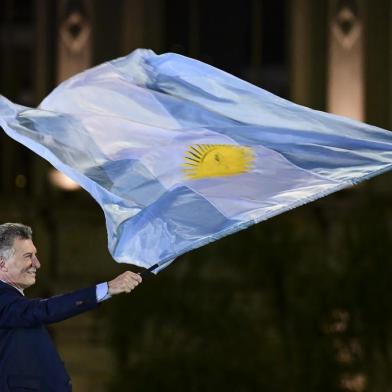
<point x="28" y="358"/>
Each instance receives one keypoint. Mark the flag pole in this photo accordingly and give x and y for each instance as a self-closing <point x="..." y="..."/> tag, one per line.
<point x="147" y="272"/>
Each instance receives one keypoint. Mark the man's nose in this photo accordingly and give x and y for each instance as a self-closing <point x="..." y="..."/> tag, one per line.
<point x="36" y="262"/>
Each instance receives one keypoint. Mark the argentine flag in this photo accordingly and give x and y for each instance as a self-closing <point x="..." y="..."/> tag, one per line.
<point x="179" y="154"/>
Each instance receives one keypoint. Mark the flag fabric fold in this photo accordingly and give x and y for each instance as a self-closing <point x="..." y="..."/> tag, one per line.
<point x="178" y="153"/>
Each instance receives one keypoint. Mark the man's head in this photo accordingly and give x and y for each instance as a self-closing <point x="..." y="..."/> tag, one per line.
<point x="18" y="255"/>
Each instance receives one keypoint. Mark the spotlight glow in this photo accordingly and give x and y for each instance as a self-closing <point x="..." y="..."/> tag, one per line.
<point x="62" y="181"/>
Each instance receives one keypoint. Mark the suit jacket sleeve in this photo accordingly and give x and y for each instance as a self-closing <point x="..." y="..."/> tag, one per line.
<point x="18" y="311"/>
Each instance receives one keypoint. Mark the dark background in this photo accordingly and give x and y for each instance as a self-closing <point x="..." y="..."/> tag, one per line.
<point x="299" y="303"/>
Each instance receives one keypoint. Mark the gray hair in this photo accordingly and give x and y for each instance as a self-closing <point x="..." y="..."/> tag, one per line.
<point x="8" y="233"/>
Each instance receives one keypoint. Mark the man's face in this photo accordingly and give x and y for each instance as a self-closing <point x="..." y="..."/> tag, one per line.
<point x="20" y="269"/>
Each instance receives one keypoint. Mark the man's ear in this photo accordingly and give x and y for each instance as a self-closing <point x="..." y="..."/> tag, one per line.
<point x="2" y="264"/>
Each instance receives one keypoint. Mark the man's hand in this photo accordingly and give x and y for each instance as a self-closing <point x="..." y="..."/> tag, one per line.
<point x="124" y="283"/>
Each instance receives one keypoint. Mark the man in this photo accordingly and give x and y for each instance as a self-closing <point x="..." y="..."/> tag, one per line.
<point x="28" y="358"/>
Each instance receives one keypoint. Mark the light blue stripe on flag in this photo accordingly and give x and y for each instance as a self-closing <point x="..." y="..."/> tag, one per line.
<point x="179" y="153"/>
<point x="181" y="218"/>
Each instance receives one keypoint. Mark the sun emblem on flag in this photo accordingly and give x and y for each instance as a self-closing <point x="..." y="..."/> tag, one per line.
<point x="217" y="160"/>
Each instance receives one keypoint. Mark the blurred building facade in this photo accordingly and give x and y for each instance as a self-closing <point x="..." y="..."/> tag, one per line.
<point x="331" y="55"/>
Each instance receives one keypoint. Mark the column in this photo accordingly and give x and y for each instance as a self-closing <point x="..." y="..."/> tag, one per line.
<point x="74" y="37"/>
<point x="345" y="84"/>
